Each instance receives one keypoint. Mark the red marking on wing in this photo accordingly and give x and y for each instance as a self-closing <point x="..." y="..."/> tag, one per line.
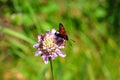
<point x="62" y="32"/>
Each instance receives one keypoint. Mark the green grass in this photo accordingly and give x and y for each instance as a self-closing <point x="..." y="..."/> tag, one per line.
<point x="94" y="55"/>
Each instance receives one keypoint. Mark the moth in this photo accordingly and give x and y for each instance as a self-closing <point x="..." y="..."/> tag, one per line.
<point x="62" y="33"/>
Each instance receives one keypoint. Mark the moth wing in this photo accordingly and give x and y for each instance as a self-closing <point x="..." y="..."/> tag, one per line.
<point x="62" y="31"/>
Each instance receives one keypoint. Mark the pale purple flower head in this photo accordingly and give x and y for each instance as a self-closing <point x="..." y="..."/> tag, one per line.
<point x="49" y="46"/>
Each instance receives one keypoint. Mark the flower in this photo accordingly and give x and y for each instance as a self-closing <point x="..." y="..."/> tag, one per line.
<point x="49" y="46"/>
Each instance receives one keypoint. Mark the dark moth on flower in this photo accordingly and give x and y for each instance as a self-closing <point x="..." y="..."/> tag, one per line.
<point x="49" y="46"/>
<point x="61" y="33"/>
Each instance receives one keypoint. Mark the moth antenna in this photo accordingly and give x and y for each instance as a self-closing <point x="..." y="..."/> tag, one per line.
<point x="72" y="40"/>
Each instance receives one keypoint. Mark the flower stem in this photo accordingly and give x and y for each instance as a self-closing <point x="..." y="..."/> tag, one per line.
<point x="51" y="67"/>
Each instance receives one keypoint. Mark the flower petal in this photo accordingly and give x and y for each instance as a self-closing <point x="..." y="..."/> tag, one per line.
<point x="40" y="38"/>
<point x="59" y="42"/>
<point x="53" y="31"/>
<point x="62" y="54"/>
<point x="37" y="53"/>
<point x="45" y="58"/>
<point x="47" y="33"/>
<point x="53" y="56"/>
<point x="36" y="46"/>
<point x="61" y="47"/>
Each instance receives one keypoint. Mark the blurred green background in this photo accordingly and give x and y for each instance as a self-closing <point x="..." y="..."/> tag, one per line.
<point x="94" y="25"/>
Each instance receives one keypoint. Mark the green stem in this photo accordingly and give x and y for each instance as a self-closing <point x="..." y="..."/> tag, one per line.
<point x="51" y="67"/>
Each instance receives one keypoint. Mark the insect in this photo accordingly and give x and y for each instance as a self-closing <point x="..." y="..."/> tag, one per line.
<point x="62" y="33"/>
